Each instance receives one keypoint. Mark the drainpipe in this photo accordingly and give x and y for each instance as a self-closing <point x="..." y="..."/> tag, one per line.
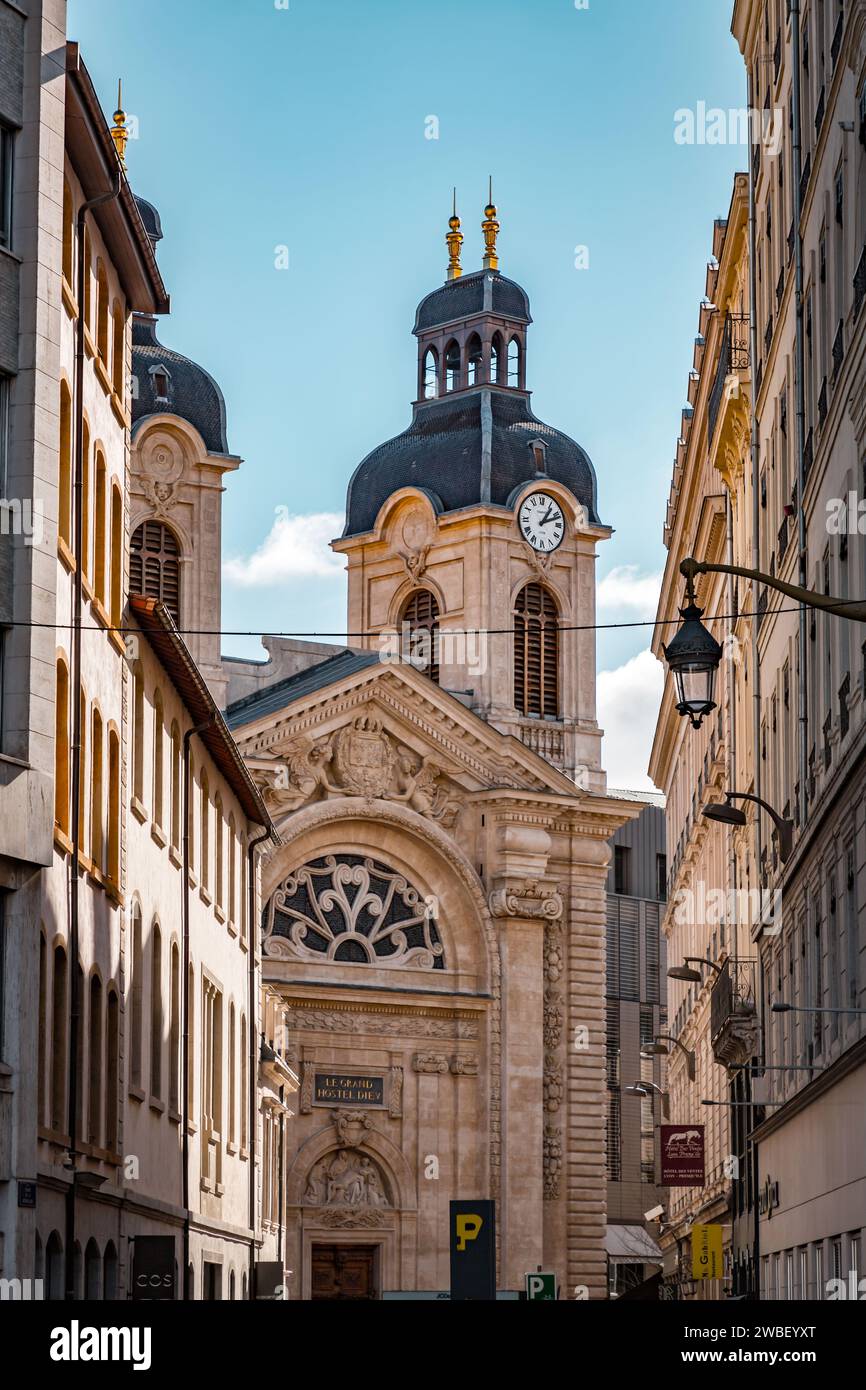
<point x="253" y="1045"/>
<point x="189" y="735"/>
<point x="75" y="820"/>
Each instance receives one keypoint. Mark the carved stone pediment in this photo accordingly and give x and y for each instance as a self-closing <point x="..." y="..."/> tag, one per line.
<point x="348" y="1181"/>
<point x="360" y="759"/>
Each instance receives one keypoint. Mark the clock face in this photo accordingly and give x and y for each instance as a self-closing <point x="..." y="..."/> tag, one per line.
<point x="541" y="521"/>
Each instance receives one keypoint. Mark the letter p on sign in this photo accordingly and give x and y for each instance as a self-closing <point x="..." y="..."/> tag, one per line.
<point x="468" y="1227"/>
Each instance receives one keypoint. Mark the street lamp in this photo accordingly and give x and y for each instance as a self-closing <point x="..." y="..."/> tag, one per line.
<point x="657" y="1048"/>
<point x="727" y="814"/>
<point x="646" y="1088"/>
<point x="693" y="656"/>
<point x="684" y="972"/>
<point x="801" y="1009"/>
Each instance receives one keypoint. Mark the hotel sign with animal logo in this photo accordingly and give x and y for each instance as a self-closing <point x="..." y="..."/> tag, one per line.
<point x="339" y="1088"/>
<point x="682" y="1155"/>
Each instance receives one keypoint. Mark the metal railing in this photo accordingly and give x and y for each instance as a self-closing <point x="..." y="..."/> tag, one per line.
<point x="733" y="357"/>
<point x="733" y="995"/>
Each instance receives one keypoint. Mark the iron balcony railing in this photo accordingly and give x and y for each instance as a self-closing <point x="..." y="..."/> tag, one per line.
<point x="733" y="357"/>
<point x="734" y="995"/>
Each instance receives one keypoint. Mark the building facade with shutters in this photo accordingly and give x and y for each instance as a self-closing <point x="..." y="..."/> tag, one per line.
<point x="636" y="1005"/>
<point x="807" y="758"/>
<point x="434" y="919"/>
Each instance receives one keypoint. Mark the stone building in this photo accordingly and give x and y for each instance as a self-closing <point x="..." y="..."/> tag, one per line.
<point x="708" y="918"/>
<point x="434" y="918"/>
<point x="808" y="64"/>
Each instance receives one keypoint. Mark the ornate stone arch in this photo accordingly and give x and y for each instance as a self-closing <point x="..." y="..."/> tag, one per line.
<point x="402" y="1187"/>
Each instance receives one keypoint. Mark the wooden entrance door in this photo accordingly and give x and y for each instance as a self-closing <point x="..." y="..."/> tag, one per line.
<point x="343" y="1271"/>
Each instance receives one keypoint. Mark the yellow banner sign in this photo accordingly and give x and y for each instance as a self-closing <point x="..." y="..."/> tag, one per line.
<point x="707" y="1252"/>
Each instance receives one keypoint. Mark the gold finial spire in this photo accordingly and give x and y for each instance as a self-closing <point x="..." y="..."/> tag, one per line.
<point x="118" y="131"/>
<point x="454" y="239"/>
<point x="490" y="228"/>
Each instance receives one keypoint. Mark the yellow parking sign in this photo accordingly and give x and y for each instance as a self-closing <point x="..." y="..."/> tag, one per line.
<point x="707" y="1252"/>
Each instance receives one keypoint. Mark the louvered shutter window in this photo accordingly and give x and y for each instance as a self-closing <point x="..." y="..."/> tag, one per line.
<point x="536" y="652"/>
<point x="154" y="565"/>
<point x="421" y="614"/>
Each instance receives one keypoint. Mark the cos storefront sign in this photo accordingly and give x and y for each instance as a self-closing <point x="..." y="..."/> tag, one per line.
<point x="153" y="1268"/>
<point x="342" y="1088"/>
<point x="682" y="1155"/>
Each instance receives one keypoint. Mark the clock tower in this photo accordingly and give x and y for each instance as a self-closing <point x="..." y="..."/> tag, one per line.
<point x="471" y="537"/>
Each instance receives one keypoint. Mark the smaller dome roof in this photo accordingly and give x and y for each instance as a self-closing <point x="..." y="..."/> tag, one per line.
<point x="192" y="392"/>
<point x="484" y="291"/>
<point x="150" y="218"/>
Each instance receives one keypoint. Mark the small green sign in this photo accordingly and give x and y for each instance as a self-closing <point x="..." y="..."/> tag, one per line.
<point x="541" y="1286"/>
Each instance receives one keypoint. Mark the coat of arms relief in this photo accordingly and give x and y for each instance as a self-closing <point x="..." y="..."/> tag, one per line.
<point x="361" y="759"/>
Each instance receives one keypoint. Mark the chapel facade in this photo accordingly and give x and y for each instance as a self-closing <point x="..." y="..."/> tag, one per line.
<point x="434" y="917"/>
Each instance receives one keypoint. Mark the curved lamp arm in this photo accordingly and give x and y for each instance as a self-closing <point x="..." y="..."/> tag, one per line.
<point x="784" y="827"/>
<point x="855" y="610"/>
<point x="690" y="1056"/>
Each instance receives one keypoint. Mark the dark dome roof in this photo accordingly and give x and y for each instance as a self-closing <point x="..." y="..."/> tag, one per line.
<point x="464" y="454"/>
<point x="485" y="291"/>
<point x="150" y="218"/>
<point x="192" y="392"/>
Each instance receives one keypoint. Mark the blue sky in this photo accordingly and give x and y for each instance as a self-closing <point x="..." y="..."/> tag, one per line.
<point x="261" y="126"/>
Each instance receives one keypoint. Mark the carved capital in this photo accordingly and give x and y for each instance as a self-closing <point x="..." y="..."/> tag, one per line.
<point x="429" y="1062"/>
<point x="531" y="898"/>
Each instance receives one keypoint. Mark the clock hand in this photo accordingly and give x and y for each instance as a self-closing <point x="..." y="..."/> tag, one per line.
<point x="548" y="517"/>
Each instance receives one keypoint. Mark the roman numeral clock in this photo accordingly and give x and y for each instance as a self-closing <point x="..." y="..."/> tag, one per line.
<point x="541" y="522"/>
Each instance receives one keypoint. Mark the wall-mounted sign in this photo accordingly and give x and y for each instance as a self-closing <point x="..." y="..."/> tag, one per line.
<point x="153" y="1268"/>
<point x="682" y="1155"/>
<point x="340" y="1088"/>
<point x="707" y="1261"/>
<point x="768" y="1198"/>
<point x="27" y="1194"/>
<point x="472" y="1237"/>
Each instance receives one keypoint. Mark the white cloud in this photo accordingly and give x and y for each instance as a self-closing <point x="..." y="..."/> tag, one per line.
<point x="296" y="547"/>
<point x="624" y="588"/>
<point x="628" y="703"/>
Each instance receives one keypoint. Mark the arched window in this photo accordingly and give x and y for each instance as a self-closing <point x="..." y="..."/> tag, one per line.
<point x="245" y="1100"/>
<point x="118" y="348"/>
<point x="83" y="784"/>
<point x="452" y="366"/>
<point x="205" y="830"/>
<point x="431" y="374"/>
<point x="54" y="1266"/>
<point x="473" y="360"/>
<point x="84" y="556"/>
<point x="43" y="1024"/>
<point x="64" y="501"/>
<point x="95" y="1077"/>
<point x="77" y="1003"/>
<point x="58" y="1041"/>
<point x="84" y="291"/>
<point x="192" y="1050"/>
<point x="99" y="517"/>
<point x="419" y="627"/>
<point x="68" y="234"/>
<point x="190" y="816"/>
<point x="154" y="565"/>
<point x="97" y="808"/>
<point x="536" y="652"/>
<point x="232" y="1286"/>
<point x="93" y="1272"/>
<point x="176" y="790"/>
<point x="233" y="1076"/>
<point x="109" y="1272"/>
<point x="138" y="732"/>
<point x="514" y="362"/>
<point x="102" y="312"/>
<point x="61" y="748"/>
<point x="174" y="1032"/>
<point x="137" y="1002"/>
<point x="219" y="831"/>
<point x="39" y="1258"/>
<point x="113" y="865"/>
<point x="231" y="904"/>
<point x="158" y="757"/>
<point x="116" y="596"/>
<point x="112" y="1065"/>
<point x="156" y="1013"/>
<point x="496" y="358"/>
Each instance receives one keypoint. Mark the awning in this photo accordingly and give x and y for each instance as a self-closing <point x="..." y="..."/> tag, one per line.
<point x="631" y="1245"/>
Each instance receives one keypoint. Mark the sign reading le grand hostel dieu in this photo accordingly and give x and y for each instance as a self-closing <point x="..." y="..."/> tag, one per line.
<point x="338" y="1088"/>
